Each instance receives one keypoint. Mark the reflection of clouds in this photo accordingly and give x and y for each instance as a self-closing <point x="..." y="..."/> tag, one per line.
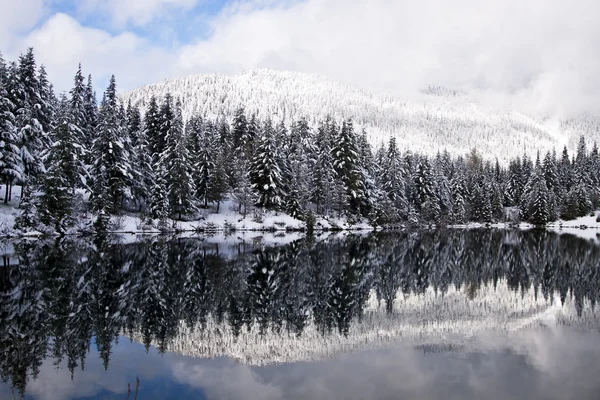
<point x="550" y="364"/>
<point x="217" y="381"/>
<point x="127" y="362"/>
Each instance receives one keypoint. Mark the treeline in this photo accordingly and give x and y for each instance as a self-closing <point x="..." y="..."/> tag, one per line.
<point x="60" y="147"/>
<point x="61" y="294"/>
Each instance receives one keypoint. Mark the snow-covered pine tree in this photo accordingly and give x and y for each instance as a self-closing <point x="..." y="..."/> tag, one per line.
<point x="204" y="167"/>
<point x="27" y="220"/>
<point x="226" y="148"/>
<point x="239" y="131"/>
<point x="565" y="170"/>
<point x="10" y="158"/>
<point x="555" y="190"/>
<point x="111" y="168"/>
<point x="76" y="120"/>
<point x="218" y="183"/>
<point x="393" y="178"/>
<point x="346" y="161"/>
<point x="143" y="173"/>
<point x="514" y="188"/>
<point x="265" y="173"/>
<point x="176" y="164"/>
<point x="243" y="194"/>
<point x="48" y="104"/>
<point x="594" y="174"/>
<point x="323" y="173"/>
<point x="158" y="205"/>
<point x="426" y="201"/>
<point x="443" y="192"/>
<point x="297" y="163"/>
<point x="31" y="135"/>
<point x="64" y="170"/>
<point x="535" y="207"/>
<point x="252" y="136"/>
<point x="134" y="123"/>
<point x="91" y="117"/>
<point x="578" y="201"/>
<point x="367" y="169"/>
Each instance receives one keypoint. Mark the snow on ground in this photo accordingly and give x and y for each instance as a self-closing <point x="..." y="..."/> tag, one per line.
<point x="226" y="220"/>
<point x="229" y="220"/>
<point x="584" y="227"/>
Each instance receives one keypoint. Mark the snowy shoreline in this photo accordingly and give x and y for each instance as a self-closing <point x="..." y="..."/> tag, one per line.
<point x="263" y="221"/>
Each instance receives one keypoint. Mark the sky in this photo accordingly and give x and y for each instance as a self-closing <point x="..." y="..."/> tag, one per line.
<point x="538" y="52"/>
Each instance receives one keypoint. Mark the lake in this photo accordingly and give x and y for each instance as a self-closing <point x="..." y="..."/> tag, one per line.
<point x="454" y="314"/>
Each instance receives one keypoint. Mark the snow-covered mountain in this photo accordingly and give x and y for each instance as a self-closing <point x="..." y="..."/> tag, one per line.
<point x="432" y="120"/>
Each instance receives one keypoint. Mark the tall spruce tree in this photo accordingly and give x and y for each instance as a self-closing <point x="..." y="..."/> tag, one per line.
<point x="31" y="135"/>
<point x="393" y="178"/>
<point x="176" y="164"/>
<point x="323" y="173"/>
<point x="10" y="158"/>
<point x="111" y="169"/>
<point x="346" y="162"/>
<point x="64" y="170"/>
<point x="265" y="172"/>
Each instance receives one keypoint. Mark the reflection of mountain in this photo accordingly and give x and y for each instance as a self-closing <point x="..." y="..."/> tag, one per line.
<point x="427" y="321"/>
<point x="303" y="300"/>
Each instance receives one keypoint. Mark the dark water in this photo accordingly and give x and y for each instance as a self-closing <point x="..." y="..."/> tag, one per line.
<point x="441" y="314"/>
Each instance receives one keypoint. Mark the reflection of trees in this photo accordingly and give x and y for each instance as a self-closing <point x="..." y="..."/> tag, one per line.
<point x="63" y="293"/>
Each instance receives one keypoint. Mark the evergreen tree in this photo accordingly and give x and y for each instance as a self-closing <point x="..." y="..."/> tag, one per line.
<point x="205" y="163"/>
<point x="175" y="161"/>
<point x="536" y="205"/>
<point x="555" y="190"/>
<point x="426" y="201"/>
<point x="10" y="160"/>
<point x="111" y="169"/>
<point x="218" y="183"/>
<point x="143" y="173"/>
<point x="346" y="163"/>
<point x="242" y="194"/>
<point x="240" y="131"/>
<point x="393" y="178"/>
<point x="63" y="169"/>
<point x="265" y="172"/>
<point x="323" y="175"/>
<point x="134" y="123"/>
<point x="91" y="118"/>
<point x="564" y="171"/>
<point x="27" y="101"/>
<point x="47" y="105"/>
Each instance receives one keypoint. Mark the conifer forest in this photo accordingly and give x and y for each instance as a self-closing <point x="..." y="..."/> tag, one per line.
<point x="76" y="153"/>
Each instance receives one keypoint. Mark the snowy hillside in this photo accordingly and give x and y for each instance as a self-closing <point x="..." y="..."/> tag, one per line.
<point x="433" y="120"/>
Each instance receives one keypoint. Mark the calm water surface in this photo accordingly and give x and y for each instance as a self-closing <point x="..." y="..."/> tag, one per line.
<point x="475" y="314"/>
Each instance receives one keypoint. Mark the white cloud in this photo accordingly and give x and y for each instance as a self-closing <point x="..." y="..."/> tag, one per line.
<point x="17" y="17"/>
<point x="546" y="50"/>
<point x="540" y="54"/>
<point x="61" y="43"/>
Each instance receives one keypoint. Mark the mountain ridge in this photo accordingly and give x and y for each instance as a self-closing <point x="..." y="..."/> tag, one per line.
<point x="432" y="120"/>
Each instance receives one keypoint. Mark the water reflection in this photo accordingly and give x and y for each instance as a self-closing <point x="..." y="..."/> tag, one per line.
<point x="305" y="300"/>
